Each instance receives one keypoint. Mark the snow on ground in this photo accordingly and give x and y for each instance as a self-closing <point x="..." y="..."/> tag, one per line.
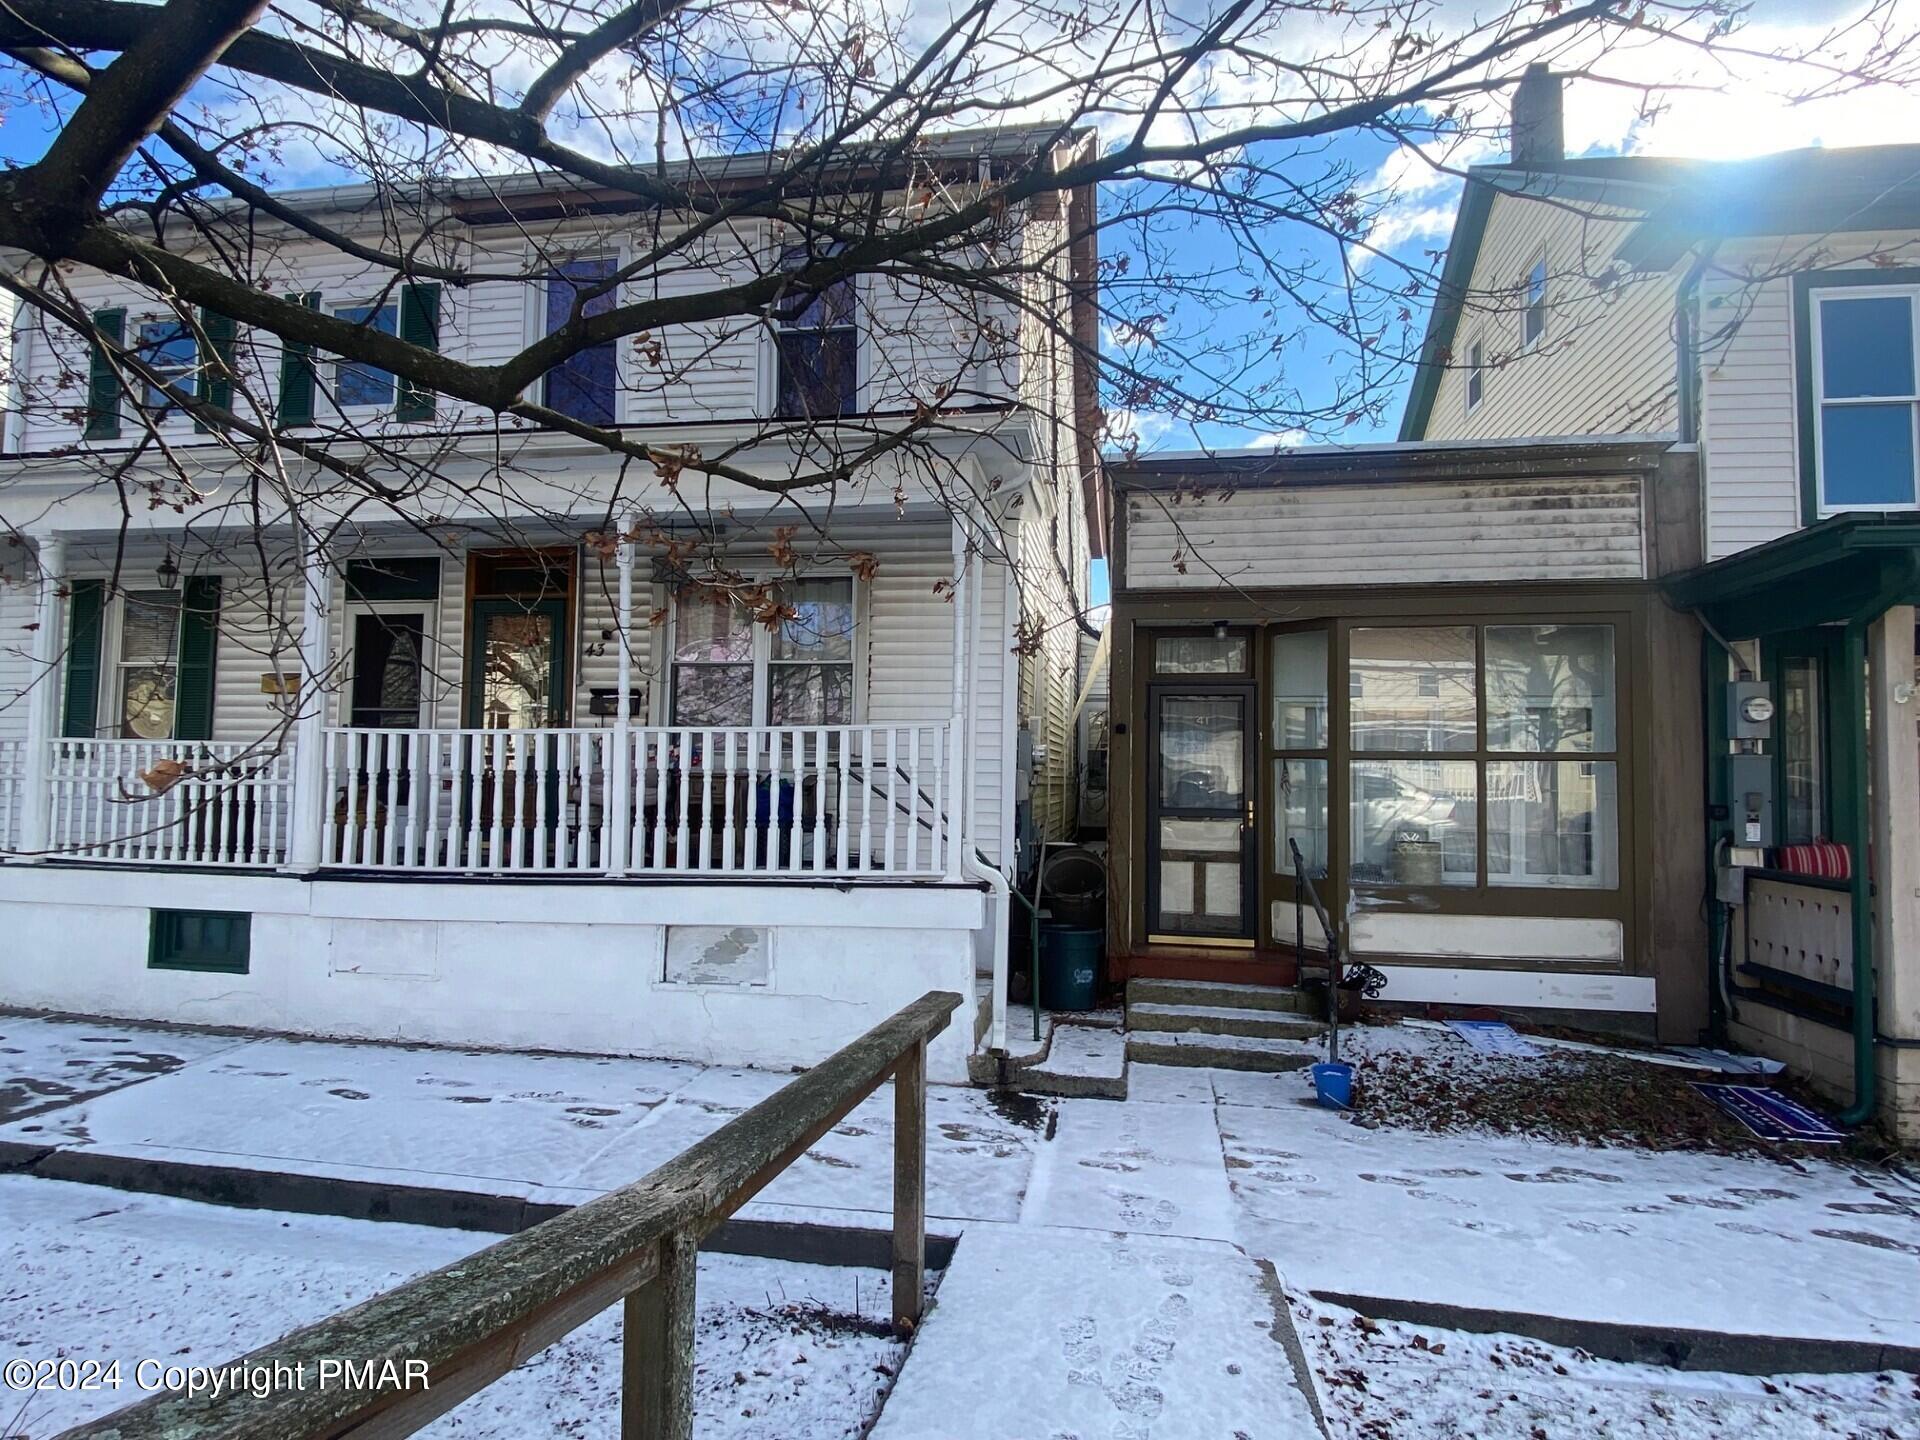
<point x="1046" y="1334"/>
<point x="100" y="1274"/>
<point x="1385" y="1381"/>
<point x="546" y="1127"/>
<point x="1713" y="1242"/>
<point x="45" y="1064"/>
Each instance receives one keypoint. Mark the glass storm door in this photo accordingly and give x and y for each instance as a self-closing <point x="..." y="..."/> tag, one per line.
<point x="518" y="676"/>
<point x="1200" y="869"/>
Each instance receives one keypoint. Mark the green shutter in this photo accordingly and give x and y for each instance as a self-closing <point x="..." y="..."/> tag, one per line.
<point x="81" y="708"/>
<point x="103" y="382"/>
<point x="296" y="372"/>
<point x="216" y="370"/>
<point x="199" y="634"/>
<point x="419" y="325"/>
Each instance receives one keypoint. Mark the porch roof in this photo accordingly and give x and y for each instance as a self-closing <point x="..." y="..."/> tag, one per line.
<point x="1837" y="569"/>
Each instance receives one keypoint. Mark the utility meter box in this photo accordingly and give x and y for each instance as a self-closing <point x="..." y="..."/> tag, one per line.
<point x="1750" y="799"/>
<point x="1749" y="710"/>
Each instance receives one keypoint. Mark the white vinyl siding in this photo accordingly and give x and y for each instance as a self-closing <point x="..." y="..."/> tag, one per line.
<point x="1605" y="362"/>
<point x="1421" y="533"/>
<point x="1749" y="400"/>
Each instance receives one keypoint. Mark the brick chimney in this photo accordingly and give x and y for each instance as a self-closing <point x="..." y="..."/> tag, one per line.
<point x="1539" y="133"/>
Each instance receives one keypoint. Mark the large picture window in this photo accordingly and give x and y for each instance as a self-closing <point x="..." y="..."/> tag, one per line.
<point x="1518" y="721"/>
<point x="1865" y="401"/>
<point x="729" y="668"/>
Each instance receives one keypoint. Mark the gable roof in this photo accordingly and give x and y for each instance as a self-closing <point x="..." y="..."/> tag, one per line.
<point x="1681" y="202"/>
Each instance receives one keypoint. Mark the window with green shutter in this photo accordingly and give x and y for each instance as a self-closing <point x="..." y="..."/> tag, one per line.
<point x="216" y="369"/>
<point x="216" y="940"/>
<point x="419" y="325"/>
<point x="199" y="640"/>
<point x="296" y="372"/>
<point x="103" y="381"/>
<point x="80" y="706"/>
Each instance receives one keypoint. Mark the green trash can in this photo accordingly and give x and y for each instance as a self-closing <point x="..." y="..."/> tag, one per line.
<point x="1069" y="966"/>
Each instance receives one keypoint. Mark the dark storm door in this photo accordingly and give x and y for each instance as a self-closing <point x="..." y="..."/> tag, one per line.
<point x="1201" y="878"/>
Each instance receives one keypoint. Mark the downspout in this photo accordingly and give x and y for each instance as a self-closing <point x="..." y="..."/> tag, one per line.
<point x="1853" y="662"/>
<point x="965" y="631"/>
<point x="1686" y="335"/>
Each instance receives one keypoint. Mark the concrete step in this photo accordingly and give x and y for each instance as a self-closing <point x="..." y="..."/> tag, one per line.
<point x="1218" y="1052"/>
<point x="1220" y="993"/>
<point x="1221" y="1020"/>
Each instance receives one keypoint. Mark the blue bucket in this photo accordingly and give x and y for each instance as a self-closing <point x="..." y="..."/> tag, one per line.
<point x="1333" y="1083"/>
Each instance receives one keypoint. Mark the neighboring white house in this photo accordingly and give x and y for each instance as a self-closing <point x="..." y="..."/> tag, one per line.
<point x="453" y="830"/>
<point x="1766" y="313"/>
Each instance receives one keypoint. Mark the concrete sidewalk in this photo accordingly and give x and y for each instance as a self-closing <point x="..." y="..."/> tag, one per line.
<point x="1640" y="1247"/>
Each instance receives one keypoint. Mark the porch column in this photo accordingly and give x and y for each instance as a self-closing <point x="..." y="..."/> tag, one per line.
<point x="304" y="847"/>
<point x="618" y="821"/>
<point x="43" y="704"/>
<point x="1896" y="857"/>
<point x="957" y="777"/>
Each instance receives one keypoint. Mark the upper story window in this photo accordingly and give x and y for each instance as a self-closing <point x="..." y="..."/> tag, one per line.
<point x="168" y="347"/>
<point x="819" y="365"/>
<point x="1533" y="320"/>
<point x="583" y="385"/>
<point x="1476" y="374"/>
<point x="729" y="669"/>
<point x="357" y="384"/>
<point x="1866" y="406"/>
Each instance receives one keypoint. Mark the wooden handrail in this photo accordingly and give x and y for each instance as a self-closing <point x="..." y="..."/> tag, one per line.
<point x="472" y="1321"/>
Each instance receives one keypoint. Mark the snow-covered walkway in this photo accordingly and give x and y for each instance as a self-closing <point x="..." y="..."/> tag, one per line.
<point x="1075" y="1210"/>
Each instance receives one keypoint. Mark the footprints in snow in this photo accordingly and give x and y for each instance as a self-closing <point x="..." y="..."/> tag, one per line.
<point x="1129" y="1374"/>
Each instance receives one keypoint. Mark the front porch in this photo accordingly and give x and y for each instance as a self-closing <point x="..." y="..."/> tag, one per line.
<point x="801" y="802"/>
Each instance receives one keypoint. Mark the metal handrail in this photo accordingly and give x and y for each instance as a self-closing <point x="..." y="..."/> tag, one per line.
<point x="424" y="1347"/>
<point x="1302" y="881"/>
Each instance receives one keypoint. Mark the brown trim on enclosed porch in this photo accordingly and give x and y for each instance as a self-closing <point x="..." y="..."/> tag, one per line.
<point x="1646" y="822"/>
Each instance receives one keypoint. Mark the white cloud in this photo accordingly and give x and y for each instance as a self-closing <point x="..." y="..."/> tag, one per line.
<point x="1137" y="429"/>
<point x="1276" y="440"/>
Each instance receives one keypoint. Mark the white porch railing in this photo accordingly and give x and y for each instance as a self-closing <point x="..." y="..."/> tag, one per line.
<point x="168" y="802"/>
<point x="799" y="801"/>
<point x="13" y="785"/>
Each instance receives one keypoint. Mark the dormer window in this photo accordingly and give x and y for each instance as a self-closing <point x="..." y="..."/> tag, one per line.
<point x="1866" y="407"/>
<point x="819" y="346"/>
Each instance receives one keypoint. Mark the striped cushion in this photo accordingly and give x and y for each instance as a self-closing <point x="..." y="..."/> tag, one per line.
<point x="1823" y="859"/>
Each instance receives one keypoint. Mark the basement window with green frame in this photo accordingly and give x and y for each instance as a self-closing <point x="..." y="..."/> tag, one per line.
<point x="220" y="941"/>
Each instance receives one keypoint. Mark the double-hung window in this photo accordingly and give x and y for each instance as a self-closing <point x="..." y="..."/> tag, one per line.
<point x="584" y="385"/>
<point x="1865" y="402"/>
<point x="1533" y="319"/>
<point x="167" y="347"/>
<point x="819" y="350"/>
<point x="356" y="384"/>
<point x="1476" y="374"/>
<point x="147" y="681"/>
<point x="729" y="668"/>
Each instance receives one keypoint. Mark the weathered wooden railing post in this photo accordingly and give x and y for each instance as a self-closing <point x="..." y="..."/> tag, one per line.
<point x="909" y="1185"/>
<point x="656" y="1398"/>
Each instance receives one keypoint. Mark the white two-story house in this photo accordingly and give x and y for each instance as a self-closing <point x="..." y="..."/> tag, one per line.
<point x="515" y="741"/>
<point x="1763" y="314"/>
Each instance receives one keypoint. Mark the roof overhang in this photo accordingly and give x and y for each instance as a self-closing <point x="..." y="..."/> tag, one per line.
<point x="1395" y="462"/>
<point x="1843" y="568"/>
